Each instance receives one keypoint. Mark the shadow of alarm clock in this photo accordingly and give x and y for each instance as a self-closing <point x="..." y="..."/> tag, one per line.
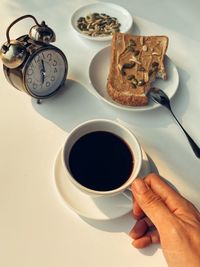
<point x="31" y="64"/>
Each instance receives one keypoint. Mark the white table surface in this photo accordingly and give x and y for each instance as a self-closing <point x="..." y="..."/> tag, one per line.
<point x="37" y="228"/>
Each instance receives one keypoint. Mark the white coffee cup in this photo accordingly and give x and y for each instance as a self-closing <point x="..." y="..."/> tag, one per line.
<point x="109" y="126"/>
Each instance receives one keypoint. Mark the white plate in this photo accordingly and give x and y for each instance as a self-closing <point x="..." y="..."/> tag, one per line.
<point x="98" y="73"/>
<point x="122" y="15"/>
<point x="99" y="208"/>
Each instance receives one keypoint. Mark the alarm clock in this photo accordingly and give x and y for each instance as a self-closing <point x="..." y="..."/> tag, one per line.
<point x="31" y="64"/>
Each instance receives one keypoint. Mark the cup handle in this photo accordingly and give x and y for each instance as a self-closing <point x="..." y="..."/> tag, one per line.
<point x="128" y="193"/>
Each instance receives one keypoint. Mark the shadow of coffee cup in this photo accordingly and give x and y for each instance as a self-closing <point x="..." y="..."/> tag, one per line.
<point x="101" y="157"/>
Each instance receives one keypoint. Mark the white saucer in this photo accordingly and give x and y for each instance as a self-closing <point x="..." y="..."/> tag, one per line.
<point x="98" y="74"/>
<point x="98" y="208"/>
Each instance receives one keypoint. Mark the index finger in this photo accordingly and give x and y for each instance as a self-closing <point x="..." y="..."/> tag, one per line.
<point x="173" y="200"/>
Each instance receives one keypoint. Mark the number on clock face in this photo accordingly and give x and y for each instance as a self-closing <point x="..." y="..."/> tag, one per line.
<point x="45" y="72"/>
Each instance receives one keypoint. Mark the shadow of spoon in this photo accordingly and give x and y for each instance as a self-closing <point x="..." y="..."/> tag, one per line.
<point x="158" y="96"/>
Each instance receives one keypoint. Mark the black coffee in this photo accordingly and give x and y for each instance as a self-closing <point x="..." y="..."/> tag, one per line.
<point x="101" y="161"/>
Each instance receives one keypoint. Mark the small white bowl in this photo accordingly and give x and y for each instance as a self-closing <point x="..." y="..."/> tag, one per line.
<point x="122" y="15"/>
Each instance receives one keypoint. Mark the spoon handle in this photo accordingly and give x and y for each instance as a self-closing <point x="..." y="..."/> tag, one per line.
<point x="194" y="146"/>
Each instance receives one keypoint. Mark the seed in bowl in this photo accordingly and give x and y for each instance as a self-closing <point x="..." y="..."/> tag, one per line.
<point x="98" y="24"/>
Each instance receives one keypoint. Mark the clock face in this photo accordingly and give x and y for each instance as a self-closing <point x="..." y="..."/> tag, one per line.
<point x="45" y="72"/>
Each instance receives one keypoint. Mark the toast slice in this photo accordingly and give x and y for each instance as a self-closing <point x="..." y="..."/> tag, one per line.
<point x="136" y="62"/>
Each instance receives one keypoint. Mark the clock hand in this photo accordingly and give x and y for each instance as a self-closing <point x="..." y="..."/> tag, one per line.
<point x="42" y="76"/>
<point x="43" y="68"/>
<point x="43" y="71"/>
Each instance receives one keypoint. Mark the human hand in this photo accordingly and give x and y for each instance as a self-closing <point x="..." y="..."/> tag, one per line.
<point x="164" y="216"/>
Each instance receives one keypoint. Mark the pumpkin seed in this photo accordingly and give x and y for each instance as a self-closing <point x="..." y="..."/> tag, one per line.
<point x="155" y="68"/>
<point x="132" y="42"/>
<point x="150" y="72"/>
<point x="130" y="77"/>
<point x="98" y="24"/>
<point x="81" y="19"/>
<point x="141" y="82"/>
<point x="128" y="65"/>
<point x="122" y="71"/>
<point x="140" y="68"/>
<point x="133" y="85"/>
<point x="134" y="81"/>
<point x="155" y="64"/>
<point x="103" y="14"/>
<point x="136" y="52"/>
<point x="130" y="49"/>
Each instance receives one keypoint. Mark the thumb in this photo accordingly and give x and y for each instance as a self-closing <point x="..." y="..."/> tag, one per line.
<point x="151" y="203"/>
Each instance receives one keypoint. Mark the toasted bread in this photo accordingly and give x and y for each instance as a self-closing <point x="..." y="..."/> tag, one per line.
<point x="136" y="62"/>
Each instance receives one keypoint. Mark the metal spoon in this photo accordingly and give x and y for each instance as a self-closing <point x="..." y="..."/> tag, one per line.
<point x="158" y="96"/>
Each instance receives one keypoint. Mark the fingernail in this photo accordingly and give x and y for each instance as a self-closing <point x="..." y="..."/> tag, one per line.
<point x="140" y="186"/>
